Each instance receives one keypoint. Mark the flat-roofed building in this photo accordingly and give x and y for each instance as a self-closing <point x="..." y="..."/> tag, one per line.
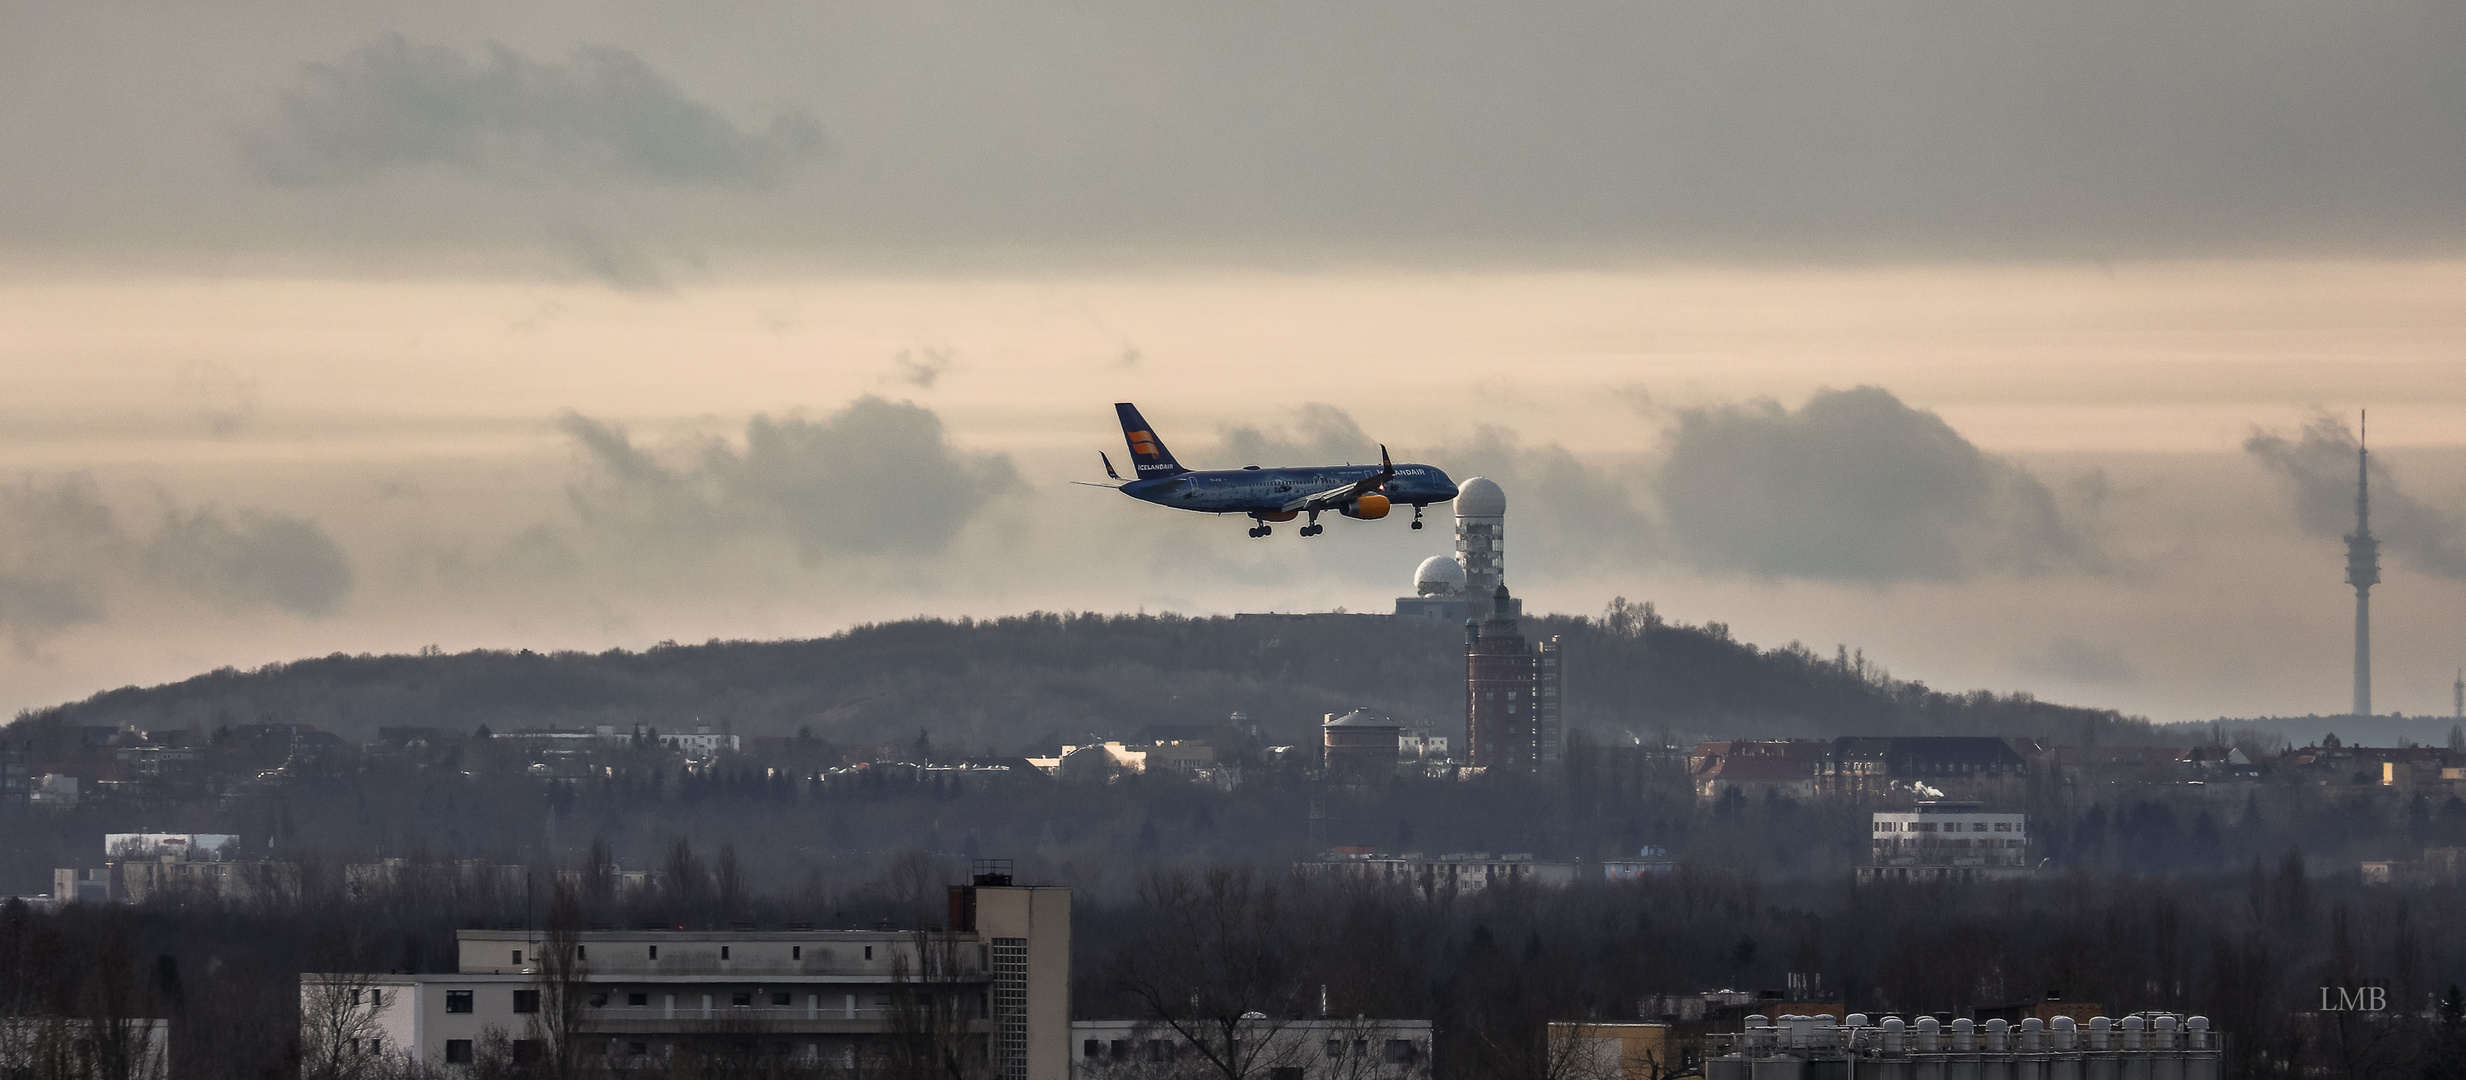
<point x="1946" y="840"/>
<point x="993" y="987"/>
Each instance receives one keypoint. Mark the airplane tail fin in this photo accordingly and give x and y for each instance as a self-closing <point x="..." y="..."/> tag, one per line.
<point x="1148" y="456"/>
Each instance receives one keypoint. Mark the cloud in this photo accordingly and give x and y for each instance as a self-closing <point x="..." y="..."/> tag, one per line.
<point x="604" y="116"/>
<point x="66" y="559"/>
<point x="921" y="368"/>
<point x="2076" y="660"/>
<point x="876" y="478"/>
<point x="59" y="545"/>
<point x="2318" y="471"/>
<point x="1853" y="486"/>
<point x="252" y="558"/>
<point x="1318" y="435"/>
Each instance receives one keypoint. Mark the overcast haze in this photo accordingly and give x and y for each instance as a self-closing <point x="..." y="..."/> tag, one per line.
<point x="2018" y="346"/>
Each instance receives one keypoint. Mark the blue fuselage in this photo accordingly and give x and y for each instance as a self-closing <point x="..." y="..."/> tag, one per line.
<point x="1269" y="491"/>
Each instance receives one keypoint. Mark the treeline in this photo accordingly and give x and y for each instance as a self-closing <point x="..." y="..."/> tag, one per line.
<point x="1033" y="682"/>
<point x="2249" y="946"/>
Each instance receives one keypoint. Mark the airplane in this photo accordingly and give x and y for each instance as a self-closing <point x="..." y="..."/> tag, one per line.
<point x="1270" y="495"/>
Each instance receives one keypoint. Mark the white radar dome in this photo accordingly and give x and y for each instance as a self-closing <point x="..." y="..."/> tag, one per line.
<point x="1480" y="497"/>
<point x="1439" y="574"/>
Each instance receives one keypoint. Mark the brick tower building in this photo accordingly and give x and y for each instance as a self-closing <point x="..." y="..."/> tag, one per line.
<point x="1512" y="694"/>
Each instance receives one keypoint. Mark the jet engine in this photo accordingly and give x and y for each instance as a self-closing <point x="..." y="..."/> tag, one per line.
<point x="1370" y="507"/>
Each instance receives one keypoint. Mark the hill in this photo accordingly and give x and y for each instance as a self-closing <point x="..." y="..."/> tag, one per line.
<point x="1032" y="681"/>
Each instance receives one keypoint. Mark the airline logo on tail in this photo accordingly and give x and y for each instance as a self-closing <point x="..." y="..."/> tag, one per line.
<point x="1148" y="456"/>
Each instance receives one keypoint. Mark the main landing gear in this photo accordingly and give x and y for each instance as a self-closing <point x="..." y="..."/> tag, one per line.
<point x="1257" y="531"/>
<point x="1314" y="528"/>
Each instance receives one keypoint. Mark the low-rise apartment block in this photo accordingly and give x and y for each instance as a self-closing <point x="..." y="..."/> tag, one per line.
<point x="994" y="985"/>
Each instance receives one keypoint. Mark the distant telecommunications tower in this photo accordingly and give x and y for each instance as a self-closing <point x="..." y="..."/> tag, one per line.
<point x="2363" y="569"/>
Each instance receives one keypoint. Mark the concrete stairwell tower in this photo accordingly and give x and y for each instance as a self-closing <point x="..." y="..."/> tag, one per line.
<point x="2363" y="570"/>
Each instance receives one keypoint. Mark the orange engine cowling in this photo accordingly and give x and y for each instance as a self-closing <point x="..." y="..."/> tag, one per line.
<point x="1286" y="515"/>
<point x="1369" y="507"/>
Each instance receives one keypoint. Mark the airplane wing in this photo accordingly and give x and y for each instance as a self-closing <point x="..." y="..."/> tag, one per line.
<point x="1092" y="483"/>
<point x="1337" y="496"/>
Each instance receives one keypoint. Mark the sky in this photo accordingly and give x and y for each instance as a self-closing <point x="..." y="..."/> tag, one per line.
<point x="2020" y="348"/>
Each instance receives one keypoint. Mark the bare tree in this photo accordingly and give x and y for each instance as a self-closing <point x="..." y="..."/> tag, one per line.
<point x="1213" y="965"/>
<point x="339" y="1030"/>
<point x="934" y="1036"/>
<point x="563" y="978"/>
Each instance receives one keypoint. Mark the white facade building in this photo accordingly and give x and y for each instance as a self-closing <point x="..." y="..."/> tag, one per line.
<point x="1946" y="840"/>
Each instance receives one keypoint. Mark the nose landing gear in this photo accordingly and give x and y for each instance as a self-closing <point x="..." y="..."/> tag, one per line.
<point x="1417" y="517"/>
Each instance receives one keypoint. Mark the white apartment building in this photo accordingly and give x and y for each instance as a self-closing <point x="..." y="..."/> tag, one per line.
<point x="998" y="981"/>
<point x="1358" y="1049"/>
<point x="1946" y="840"/>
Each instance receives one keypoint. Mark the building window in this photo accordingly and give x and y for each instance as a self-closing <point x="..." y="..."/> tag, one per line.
<point x="638" y="1049"/>
<point x="526" y="1001"/>
<point x="1120" y="1049"/>
<point x="723" y="952"/>
<point x="1092" y="1049"/>
<point x="1010" y="971"/>
<point x="868" y="952"/>
<point x="458" y="1001"/>
<point x="599" y="1001"/>
<point x="580" y="952"/>
<point x="517" y="958"/>
<point x="654" y="952"/>
<point x="1158" y="1050"/>
<point x="457" y="1051"/>
<point x="742" y="1000"/>
<point x="780" y="1000"/>
<point x="1335" y="1049"/>
<point x="1399" y="1051"/>
<point x="796" y="952"/>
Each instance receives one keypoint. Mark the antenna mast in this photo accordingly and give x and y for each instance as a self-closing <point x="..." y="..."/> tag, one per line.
<point x="2363" y="567"/>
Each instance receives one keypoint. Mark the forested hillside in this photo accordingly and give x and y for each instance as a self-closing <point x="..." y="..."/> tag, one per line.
<point x="1031" y="681"/>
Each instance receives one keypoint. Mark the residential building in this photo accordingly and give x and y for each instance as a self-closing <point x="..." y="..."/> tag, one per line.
<point x="702" y="743"/>
<point x="1798" y="1047"/>
<point x="1420" y="744"/>
<point x="1650" y="861"/>
<point x="996" y="981"/>
<point x="1265" y="1048"/>
<point x="141" y="866"/>
<point x="1946" y="840"/>
<point x="16" y="772"/>
<point x="1447" y="875"/>
<point x="54" y="791"/>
